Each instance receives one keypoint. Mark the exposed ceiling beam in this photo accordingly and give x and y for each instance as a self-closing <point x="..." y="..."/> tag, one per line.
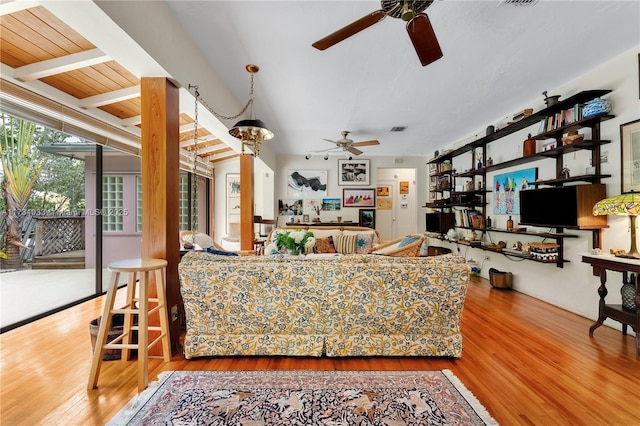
<point x="216" y="153"/>
<point x="217" y="160"/>
<point x="210" y="148"/>
<point x="60" y="65"/>
<point x="12" y="6"/>
<point x="111" y="97"/>
<point x="188" y="143"/>
<point x="131" y="121"/>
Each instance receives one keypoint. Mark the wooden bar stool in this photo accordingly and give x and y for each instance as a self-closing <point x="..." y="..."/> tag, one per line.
<point x="133" y="267"/>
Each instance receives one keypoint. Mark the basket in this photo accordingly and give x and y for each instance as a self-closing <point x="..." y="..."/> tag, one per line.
<point x="499" y="279"/>
<point x="117" y="328"/>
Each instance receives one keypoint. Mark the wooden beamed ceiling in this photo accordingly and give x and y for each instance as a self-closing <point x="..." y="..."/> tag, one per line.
<point x="37" y="46"/>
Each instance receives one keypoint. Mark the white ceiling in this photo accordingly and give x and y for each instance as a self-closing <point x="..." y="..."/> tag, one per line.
<point x="497" y="60"/>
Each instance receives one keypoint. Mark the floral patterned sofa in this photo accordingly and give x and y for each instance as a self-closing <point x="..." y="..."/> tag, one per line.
<point x="333" y="305"/>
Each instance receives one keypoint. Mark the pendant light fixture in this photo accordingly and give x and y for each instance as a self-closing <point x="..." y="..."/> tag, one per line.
<point x="252" y="131"/>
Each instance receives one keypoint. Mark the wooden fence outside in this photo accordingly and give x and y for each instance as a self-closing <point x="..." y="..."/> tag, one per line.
<point x="45" y="235"/>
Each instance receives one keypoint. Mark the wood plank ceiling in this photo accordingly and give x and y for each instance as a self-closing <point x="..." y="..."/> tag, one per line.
<point x="38" y="46"/>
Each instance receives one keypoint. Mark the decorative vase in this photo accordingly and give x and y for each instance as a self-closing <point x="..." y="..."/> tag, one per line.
<point x="628" y="292"/>
<point x="595" y="107"/>
<point x="529" y="146"/>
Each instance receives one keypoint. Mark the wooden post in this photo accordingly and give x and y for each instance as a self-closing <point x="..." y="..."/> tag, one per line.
<point x="160" y="189"/>
<point x="246" y="202"/>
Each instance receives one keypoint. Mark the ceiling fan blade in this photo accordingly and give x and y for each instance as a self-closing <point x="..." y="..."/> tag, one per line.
<point x="424" y="39"/>
<point x="351" y="29"/>
<point x="329" y="140"/>
<point x="354" y="151"/>
<point x="366" y="143"/>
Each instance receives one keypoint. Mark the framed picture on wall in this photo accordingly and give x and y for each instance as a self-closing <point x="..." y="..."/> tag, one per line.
<point x="363" y="197"/>
<point x="307" y="183"/>
<point x="507" y="187"/>
<point x="630" y="155"/>
<point x="233" y="202"/>
<point x="353" y="172"/>
<point x="367" y="218"/>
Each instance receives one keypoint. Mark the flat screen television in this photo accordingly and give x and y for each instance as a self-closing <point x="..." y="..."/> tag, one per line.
<point x="562" y="207"/>
<point x="439" y="222"/>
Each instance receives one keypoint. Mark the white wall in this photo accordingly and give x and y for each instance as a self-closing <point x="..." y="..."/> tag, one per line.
<point x="128" y="243"/>
<point x="263" y="195"/>
<point x="115" y="245"/>
<point x="380" y="167"/>
<point x="573" y="287"/>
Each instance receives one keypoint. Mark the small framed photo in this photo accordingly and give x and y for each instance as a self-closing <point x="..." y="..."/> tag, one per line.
<point x="305" y="218"/>
<point x="382" y="191"/>
<point x="353" y="172"/>
<point x="363" y="197"/>
<point x="630" y="155"/>
<point x="367" y="218"/>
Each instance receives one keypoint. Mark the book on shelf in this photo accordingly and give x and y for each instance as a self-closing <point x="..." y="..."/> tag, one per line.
<point x="560" y="119"/>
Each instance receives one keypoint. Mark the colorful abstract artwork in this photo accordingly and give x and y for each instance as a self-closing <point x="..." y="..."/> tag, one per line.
<point x="507" y="187"/>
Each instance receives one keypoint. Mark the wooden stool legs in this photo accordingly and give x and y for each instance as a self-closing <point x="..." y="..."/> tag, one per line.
<point x="133" y="267"/>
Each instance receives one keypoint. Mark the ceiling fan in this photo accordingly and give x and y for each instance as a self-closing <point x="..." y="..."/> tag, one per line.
<point x="349" y="145"/>
<point x="418" y="26"/>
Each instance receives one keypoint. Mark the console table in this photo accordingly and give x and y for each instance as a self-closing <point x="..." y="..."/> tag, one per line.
<point x="601" y="264"/>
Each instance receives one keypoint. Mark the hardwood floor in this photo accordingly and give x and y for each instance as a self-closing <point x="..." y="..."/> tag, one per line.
<point x="528" y="362"/>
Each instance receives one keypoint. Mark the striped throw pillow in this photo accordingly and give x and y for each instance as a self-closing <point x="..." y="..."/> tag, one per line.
<point x="346" y="244"/>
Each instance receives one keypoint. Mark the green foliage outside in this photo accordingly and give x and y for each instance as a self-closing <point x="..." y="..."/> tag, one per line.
<point x="57" y="182"/>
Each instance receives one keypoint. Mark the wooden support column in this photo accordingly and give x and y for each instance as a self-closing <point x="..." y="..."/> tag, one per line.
<point x="160" y="189"/>
<point x="246" y="202"/>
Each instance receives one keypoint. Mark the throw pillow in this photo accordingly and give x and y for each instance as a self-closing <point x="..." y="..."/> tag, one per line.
<point x="386" y="250"/>
<point x="324" y="245"/>
<point x="271" y="249"/>
<point x="424" y="248"/>
<point x="220" y="252"/>
<point x="408" y="240"/>
<point x="364" y="243"/>
<point x="346" y="244"/>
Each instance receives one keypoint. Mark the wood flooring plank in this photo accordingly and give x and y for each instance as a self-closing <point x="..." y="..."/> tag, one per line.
<point x="527" y="362"/>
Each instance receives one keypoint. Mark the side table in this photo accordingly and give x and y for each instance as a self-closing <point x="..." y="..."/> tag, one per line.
<point x="601" y="264"/>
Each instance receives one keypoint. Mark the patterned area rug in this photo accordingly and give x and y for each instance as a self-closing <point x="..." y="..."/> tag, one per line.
<point x="251" y="398"/>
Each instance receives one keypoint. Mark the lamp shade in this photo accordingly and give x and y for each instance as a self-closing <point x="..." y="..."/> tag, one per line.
<point x="251" y="129"/>
<point x="627" y="204"/>
<point x="623" y="204"/>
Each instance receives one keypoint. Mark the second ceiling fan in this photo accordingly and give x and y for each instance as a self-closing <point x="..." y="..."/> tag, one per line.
<point x="418" y="26"/>
<point x="349" y="145"/>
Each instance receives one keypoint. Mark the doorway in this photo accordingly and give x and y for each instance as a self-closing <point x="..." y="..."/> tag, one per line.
<point x="396" y="208"/>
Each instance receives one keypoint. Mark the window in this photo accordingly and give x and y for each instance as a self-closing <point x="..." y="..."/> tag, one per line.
<point x="139" y="203"/>
<point x="112" y="203"/>
<point x="185" y="203"/>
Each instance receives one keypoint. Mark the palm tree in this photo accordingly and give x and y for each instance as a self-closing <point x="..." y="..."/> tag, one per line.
<point x="21" y="163"/>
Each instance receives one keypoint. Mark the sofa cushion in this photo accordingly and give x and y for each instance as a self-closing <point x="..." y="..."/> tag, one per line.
<point x="408" y="240"/>
<point x="372" y="232"/>
<point x="346" y="244"/>
<point x="364" y="242"/>
<point x="324" y="245"/>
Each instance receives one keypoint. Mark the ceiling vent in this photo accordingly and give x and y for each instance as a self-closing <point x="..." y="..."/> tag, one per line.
<point x="518" y="2"/>
<point x="398" y="129"/>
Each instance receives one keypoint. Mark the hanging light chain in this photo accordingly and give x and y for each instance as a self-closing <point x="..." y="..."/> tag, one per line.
<point x="220" y="116"/>
<point x="194" y="178"/>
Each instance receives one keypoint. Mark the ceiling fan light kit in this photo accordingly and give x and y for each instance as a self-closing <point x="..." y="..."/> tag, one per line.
<point x="418" y="27"/>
